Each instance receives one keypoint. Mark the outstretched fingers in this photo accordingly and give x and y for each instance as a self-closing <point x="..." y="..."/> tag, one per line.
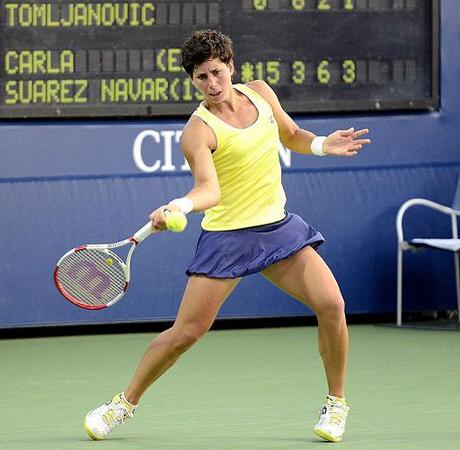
<point x="357" y="144"/>
<point x="361" y="142"/>
<point x="346" y="133"/>
<point x="360" y="132"/>
<point x="347" y="142"/>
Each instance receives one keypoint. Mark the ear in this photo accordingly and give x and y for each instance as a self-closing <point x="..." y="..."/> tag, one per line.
<point x="231" y="66"/>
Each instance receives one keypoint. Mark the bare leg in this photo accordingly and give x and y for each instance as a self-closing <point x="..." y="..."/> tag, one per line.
<point x="200" y="304"/>
<point x="306" y="277"/>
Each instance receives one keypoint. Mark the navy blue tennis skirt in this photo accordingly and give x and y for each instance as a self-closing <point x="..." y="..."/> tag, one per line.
<point x="236" y="253"/>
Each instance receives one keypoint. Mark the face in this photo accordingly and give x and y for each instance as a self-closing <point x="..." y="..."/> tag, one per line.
<point x="213" y="79"/>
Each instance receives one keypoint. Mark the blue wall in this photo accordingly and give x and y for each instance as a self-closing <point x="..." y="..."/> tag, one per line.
<point x="62" y="184"/>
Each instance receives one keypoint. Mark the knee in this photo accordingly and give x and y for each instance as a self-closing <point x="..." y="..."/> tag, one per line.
<point x="182" y="338"/>
<point x="331" y="308"/>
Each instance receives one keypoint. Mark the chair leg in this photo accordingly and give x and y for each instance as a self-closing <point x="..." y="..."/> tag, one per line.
<point x="399" y="288"/>
<point x="457" y="281"/>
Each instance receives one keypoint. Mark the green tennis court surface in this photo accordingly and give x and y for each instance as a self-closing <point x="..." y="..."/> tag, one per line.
<point x="236" y="389"/>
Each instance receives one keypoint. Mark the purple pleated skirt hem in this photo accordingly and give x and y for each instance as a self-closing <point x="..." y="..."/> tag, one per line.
<point x="236" y="253"/>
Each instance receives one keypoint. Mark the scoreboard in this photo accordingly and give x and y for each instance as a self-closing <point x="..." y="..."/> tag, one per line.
<point x="121" y="58"/>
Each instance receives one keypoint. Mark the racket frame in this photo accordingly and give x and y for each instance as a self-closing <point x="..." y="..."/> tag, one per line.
<point x="134" y="241"/>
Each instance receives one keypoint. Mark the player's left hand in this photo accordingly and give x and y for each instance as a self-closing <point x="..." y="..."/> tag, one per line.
<point x="345" y="142"/>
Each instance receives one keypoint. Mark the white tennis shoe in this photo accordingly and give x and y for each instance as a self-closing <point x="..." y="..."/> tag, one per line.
<point x="332" y="419"/>
<point x="101" y="421"/>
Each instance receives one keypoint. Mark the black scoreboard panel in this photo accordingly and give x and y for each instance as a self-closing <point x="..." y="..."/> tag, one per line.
<point x="115" y="58"/>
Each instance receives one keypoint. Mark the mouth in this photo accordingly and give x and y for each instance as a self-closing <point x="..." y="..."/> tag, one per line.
<point x="215" y="95"/>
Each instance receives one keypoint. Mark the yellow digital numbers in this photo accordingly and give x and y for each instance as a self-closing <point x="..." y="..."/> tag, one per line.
<point x="261" y="70"/>
<point x="259" y="5"/>
<point x="324" y="5"/>
<point x="298" y="5"/>
<point x="349" y="71"/>
<point x="273" y="72"/>
<point x="322" y="72"/>
<point x="321" y="5"/>
<point x="189" y="93"/>
<point x="348" y="5"/>
<point x="298" y="72"/>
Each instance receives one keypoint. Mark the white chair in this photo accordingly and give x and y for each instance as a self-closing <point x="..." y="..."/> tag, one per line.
<point x="450" y="244"/>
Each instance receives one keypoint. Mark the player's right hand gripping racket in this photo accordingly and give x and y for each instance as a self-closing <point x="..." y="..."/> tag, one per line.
<point x="92" y="276"/>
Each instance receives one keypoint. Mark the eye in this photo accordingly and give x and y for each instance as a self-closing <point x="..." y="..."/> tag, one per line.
<point x="216" y="72"/>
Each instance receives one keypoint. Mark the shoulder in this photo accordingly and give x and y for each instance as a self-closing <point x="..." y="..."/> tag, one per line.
<point x="197" y="132"/>
<point x="265" y="91"/>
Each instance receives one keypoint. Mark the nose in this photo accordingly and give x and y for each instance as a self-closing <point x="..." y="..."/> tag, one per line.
<point x="213" y="83"/>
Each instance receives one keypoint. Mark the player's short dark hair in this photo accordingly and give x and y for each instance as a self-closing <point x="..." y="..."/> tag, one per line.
<point x="203" y="46"/>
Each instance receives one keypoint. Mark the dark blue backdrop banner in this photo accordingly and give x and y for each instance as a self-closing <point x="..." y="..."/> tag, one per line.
<point x="67" y="183"/>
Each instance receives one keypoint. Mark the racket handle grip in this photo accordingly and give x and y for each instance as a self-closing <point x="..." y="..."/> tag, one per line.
<point x="143" y="233"/>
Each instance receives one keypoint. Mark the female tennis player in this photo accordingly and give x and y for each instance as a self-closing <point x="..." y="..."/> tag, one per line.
<point x="231" y="143"/>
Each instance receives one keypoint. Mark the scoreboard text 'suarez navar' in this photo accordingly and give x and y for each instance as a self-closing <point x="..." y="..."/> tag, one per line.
<point x="110" y="58"/>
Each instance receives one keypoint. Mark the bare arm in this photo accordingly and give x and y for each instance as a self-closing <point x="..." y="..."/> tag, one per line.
<point x="197" y="143"/>
<point x="291" y="135"/>
<point x="340" y="142"/>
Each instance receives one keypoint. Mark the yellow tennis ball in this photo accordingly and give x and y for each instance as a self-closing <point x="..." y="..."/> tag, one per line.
<point x="176" y="221"/>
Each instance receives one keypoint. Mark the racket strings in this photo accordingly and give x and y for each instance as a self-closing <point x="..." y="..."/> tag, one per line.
<point x="91" y="277"/>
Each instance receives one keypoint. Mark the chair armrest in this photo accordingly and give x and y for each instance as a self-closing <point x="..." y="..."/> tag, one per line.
<point x="428" y="203"/>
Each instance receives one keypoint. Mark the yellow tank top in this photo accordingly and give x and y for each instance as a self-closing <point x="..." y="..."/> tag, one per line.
<point x="248" y="168"/>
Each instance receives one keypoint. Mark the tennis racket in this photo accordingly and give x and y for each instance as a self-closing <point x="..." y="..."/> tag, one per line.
<point x="92" y="276"/>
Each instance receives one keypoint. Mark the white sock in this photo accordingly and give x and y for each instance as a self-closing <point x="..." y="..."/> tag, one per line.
<point x="127" y="402"/>
<point x="336" y="399"/>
